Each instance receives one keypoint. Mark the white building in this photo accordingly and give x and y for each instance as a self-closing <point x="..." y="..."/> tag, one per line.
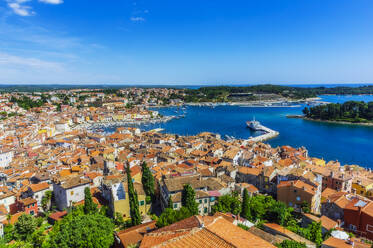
<point x="68" y="192"/>
<point x="6" y="158"/>
<point x="62" y="127"/>
<point x="7" y="199"/>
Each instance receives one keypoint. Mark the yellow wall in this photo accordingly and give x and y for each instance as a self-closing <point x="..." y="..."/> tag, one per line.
<point x="123" y="207"/>
<point x="361" y="190"/>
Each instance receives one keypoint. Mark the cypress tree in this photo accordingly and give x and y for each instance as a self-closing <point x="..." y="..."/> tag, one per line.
<point x="170" y="203"/>
<point x="188" y="199"/>
<point x="147" y="180"/>
<point x="134" y="202"/>
<point x="89" y="206"/>
<point x="245" y="205"/>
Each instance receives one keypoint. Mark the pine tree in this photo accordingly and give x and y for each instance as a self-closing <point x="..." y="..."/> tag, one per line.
<point x="134" y="202"/>
<point x="89" y="206"/>
<point x="245" y="205"/>
<point x="188" y="199"/>
<point x="147" y="181"/>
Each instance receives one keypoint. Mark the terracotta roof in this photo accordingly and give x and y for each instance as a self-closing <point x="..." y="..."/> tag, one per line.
<point x="328" y="223"/>
<point x="207" y="232"/>
<point x="337" y="243"/>
<point x="57" y="215"/>
<point x="39" y="187"/>
<point x="299" y="185"/>
<point x="249" y="171"/>
<point x="135" y="234"/>
<point x="328" y="192"/>
<point x="27" y="201"/>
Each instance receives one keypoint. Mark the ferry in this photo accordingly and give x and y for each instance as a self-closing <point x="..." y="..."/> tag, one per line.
<point x="254" y="125"/>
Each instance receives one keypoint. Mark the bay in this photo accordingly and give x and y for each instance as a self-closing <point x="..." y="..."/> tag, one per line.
<point x="349" y="144"/>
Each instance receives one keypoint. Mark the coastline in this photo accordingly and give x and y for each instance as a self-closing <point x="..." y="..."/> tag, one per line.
<point x="332" y="122"/>
<point x="256" y="103"/>
<point x="93" y="125"/>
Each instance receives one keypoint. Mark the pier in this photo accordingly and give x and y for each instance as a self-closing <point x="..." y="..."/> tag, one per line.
<point x="268" y="134"/>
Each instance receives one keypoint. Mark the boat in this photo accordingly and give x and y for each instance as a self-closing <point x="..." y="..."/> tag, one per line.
<point x="254" y="125"/>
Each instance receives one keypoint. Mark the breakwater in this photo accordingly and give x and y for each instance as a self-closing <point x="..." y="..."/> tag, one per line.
<point x="267" y="134"/>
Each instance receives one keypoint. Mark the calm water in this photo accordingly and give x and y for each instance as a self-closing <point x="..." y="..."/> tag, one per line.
<point x="348" y="144"/>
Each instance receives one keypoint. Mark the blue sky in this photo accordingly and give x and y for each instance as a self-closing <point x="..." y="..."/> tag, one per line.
<point x="186" y="42"/>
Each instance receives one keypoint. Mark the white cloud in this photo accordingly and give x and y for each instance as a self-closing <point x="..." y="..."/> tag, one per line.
<point x="137" y="19"/>
<point x="12" y="60"/>
<point x="51" y="1"/>
<point x="19" y="7"/>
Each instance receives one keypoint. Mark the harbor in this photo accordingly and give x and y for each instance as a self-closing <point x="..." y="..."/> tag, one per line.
<point x="267" y="132"/>
<point x="97" y="125"/>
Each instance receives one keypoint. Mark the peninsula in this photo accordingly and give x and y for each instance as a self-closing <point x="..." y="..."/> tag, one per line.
<point x="351" y="112"/>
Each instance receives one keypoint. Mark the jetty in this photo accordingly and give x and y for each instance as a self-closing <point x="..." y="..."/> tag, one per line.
<point x="267" y="134"/>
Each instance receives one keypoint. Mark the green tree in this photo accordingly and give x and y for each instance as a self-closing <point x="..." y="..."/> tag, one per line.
<point x="38" y="237"/>
<point x="245" y="212"/>
<point x="170" y="203"/>
<point x="24" y="227"/>
<point x="46" y="200"/>
<point x="8" y="233"/>
<point x="92" y="230"/>
<point x="305" y="207"/>
<point x="133" y="199"/>
<point x="118" y="220"/>
<point x="316" y="232"/>
<point x="147" y="180"/>
<point x="188" y="199"/>
<point x="89" y="206"/>
<point x="166" y="218"/>
<point x="170" y="216"/>
<point x="227" y="204"/>
<point x="291" y="244"/>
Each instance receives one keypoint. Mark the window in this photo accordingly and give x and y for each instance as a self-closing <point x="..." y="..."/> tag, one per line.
<point x="175" y="205"/>
<point x="200" y="201"/>
<point x="370" y="228"/>
<point x="352" y="227"/>
<point x="205" y="210"/>
<point x="142" y="203"/>
<point x="32" y="212"/>
<point x="212" y="199"/>
<point x="298" y="198"/>
<point x="205" y="200"/>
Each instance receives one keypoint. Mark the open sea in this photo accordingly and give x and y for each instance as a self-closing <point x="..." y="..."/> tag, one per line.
<point x="349" y="144"/>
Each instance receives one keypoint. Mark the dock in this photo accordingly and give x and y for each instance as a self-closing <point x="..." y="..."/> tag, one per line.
<point x="268" y="134"/>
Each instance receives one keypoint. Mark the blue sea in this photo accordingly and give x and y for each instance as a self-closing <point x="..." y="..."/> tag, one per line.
<point x="349" y="144"/>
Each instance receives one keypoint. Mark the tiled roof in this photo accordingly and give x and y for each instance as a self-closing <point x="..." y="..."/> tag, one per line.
<point x="337" y="243"/>
<point x="198" y="231"/>
<point x="39" y="187"/>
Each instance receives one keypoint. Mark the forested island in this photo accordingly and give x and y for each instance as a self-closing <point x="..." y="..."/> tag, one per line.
<point x="254" y="93"/>
<point x="351" y="112"/>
